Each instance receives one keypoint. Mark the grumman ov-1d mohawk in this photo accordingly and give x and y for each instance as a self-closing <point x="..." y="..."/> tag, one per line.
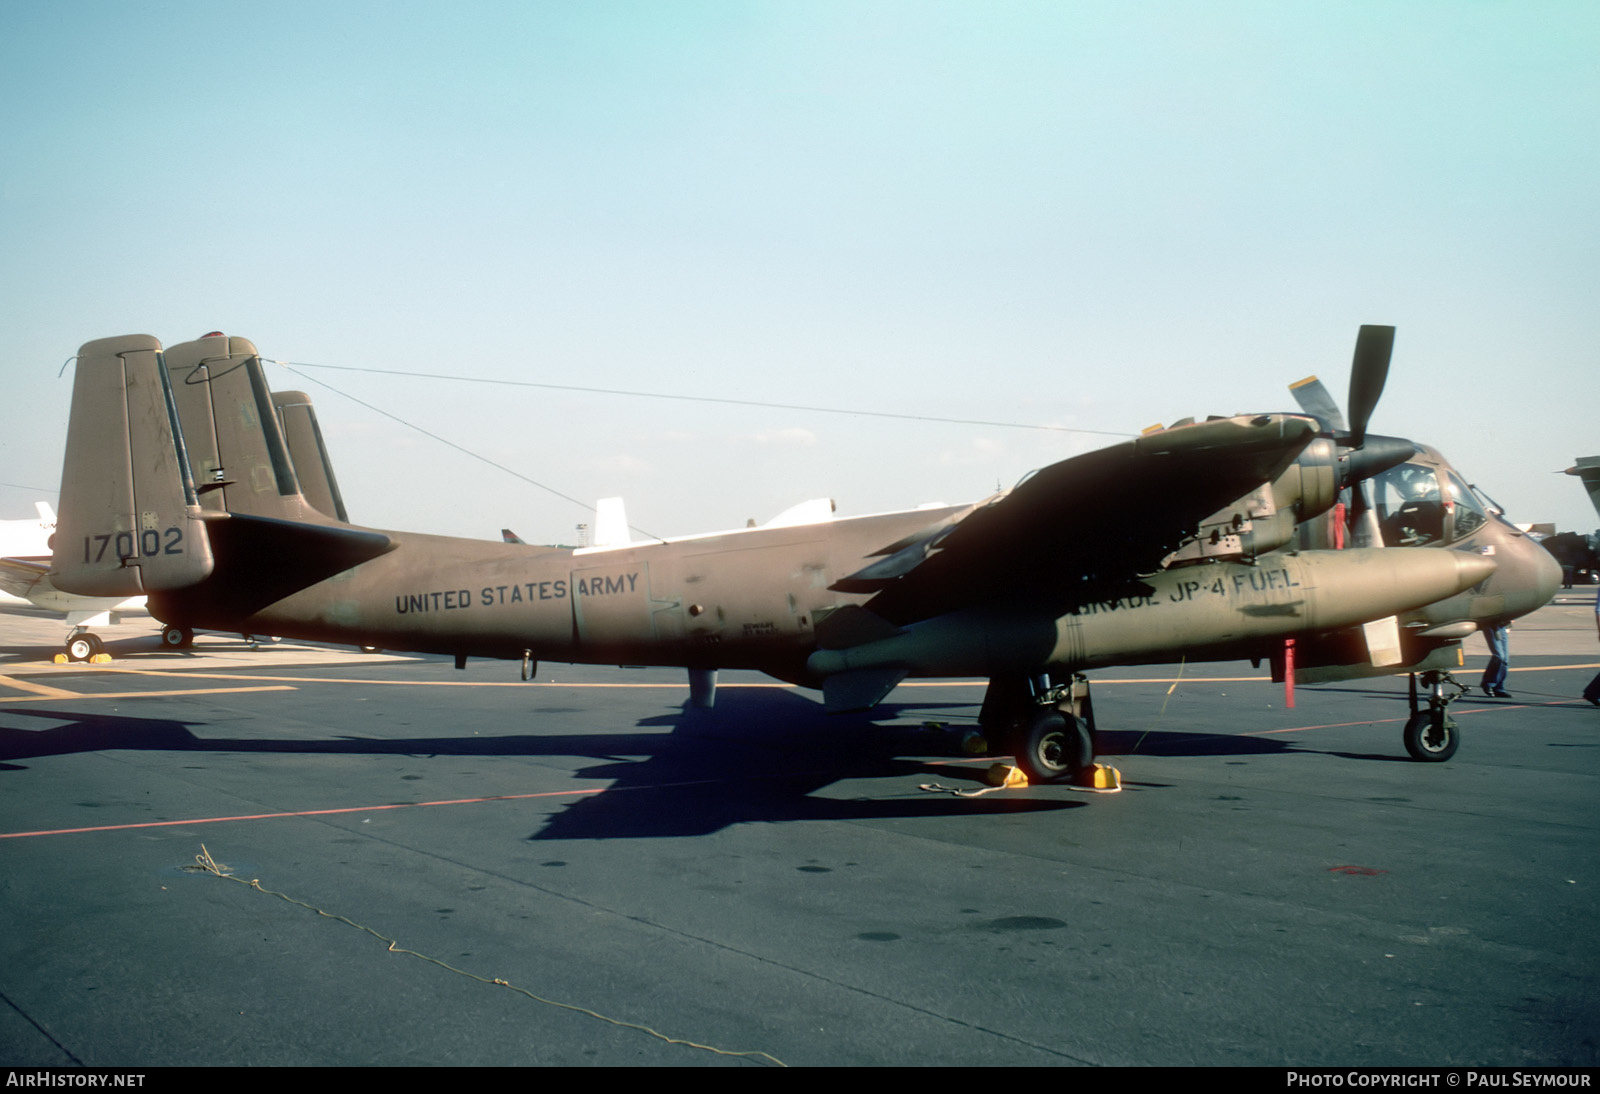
<point x="1285" y="537"/>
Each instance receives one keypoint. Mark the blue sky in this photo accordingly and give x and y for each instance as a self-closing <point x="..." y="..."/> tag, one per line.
<point x="1089" y="215"/>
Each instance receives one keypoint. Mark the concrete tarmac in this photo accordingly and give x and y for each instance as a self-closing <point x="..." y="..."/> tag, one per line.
<point x="426" y="866"/>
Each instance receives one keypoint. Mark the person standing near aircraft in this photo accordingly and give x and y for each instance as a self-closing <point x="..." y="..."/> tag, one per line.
<point x="1592" y="692"/>
<point x="1494" y="674"/>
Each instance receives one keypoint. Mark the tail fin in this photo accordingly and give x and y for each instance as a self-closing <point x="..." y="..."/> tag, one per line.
<point x="1588" y="471"/>
<point x="130" y="515"/>
<point x="235" y="442"/>
<point x="308" y="454"/>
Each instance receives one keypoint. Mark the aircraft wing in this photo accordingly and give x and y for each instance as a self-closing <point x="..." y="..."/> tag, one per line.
<point x="1085" y="528"/>
<point x="20" y="577"/>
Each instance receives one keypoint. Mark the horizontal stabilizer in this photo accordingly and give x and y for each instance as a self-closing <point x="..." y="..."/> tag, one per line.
<point x="261" y="560"/>
<point x="859" y="689"/>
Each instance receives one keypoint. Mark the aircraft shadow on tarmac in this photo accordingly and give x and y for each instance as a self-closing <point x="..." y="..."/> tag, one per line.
<point x="759" y="757"/>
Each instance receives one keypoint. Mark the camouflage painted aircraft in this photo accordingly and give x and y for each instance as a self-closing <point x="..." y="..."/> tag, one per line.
<point x="25" y="552"/>
<point x="1213" y="540"/>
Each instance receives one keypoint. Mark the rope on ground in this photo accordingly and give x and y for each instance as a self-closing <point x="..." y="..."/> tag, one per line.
<point x="960" y="792"/>
<point x="204" y="862"/>
<point x="1183" y="663"/>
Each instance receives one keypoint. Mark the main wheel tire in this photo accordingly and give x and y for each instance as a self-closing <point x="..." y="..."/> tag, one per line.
<point x="82" y="647"/>
<point x="1431" y="736"/>
<point x="1054" y="748"/>
<point x="177" y="638"/>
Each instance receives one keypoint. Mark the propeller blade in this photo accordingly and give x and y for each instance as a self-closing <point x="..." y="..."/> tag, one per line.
<point x="1368" y="371"/>
<point x="1315" y="401"/>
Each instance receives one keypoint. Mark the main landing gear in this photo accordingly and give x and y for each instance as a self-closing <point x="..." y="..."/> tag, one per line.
<point x="1049" y="729"/>
<point x="1431" y="735"/>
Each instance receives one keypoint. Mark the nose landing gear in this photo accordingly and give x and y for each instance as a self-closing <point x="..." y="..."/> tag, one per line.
<point x="1431" y="735"/>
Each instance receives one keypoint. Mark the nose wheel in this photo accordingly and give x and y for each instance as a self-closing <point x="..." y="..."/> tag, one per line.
<point x="1431" y="735"/>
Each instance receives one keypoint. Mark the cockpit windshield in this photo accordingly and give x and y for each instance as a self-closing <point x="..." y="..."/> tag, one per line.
<point x="1468" y="514"/>
<point x="1492" y="507"/>
<point x="1415" y="507"/>
<point x="1411" y="510"/>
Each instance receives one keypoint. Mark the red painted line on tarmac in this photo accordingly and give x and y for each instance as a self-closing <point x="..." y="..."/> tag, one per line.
<point x="1386" y="721"/>
<point x="1328" y="725"/>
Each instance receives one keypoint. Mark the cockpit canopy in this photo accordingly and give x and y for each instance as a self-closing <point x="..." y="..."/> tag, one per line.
<point x="1417" y="505"/>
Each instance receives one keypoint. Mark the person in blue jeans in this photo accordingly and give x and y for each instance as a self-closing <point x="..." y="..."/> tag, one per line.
<point x="1494" y="674"/>
<point x="1592" y="692"/>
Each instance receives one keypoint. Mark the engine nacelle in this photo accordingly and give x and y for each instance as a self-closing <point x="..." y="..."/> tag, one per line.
<point x="1265" y="519"/>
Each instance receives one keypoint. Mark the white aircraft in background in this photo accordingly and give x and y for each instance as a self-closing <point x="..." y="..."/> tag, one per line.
<point x="25" y="581"/>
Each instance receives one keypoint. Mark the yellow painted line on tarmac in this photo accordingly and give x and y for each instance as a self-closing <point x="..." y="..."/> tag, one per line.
<point x="35" y="689"/>
<point x="413" y="683"/>
<point x="57" y="695"/>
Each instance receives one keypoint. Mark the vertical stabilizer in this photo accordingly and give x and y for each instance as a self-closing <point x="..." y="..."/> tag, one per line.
<point x="235" y="443"/>
<point x="308" y="453"/>
<point x="130" y="518"/>
<point x="611" y="523"/>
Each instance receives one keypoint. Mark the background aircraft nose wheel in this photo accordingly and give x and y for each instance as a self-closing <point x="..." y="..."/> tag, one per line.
<point x="81" y="647"/>
<point x="1054" y="747"/>
<point x="177" y="638"/>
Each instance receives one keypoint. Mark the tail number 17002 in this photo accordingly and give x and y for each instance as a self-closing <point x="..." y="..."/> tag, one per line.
<point x="168" y="541"/>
